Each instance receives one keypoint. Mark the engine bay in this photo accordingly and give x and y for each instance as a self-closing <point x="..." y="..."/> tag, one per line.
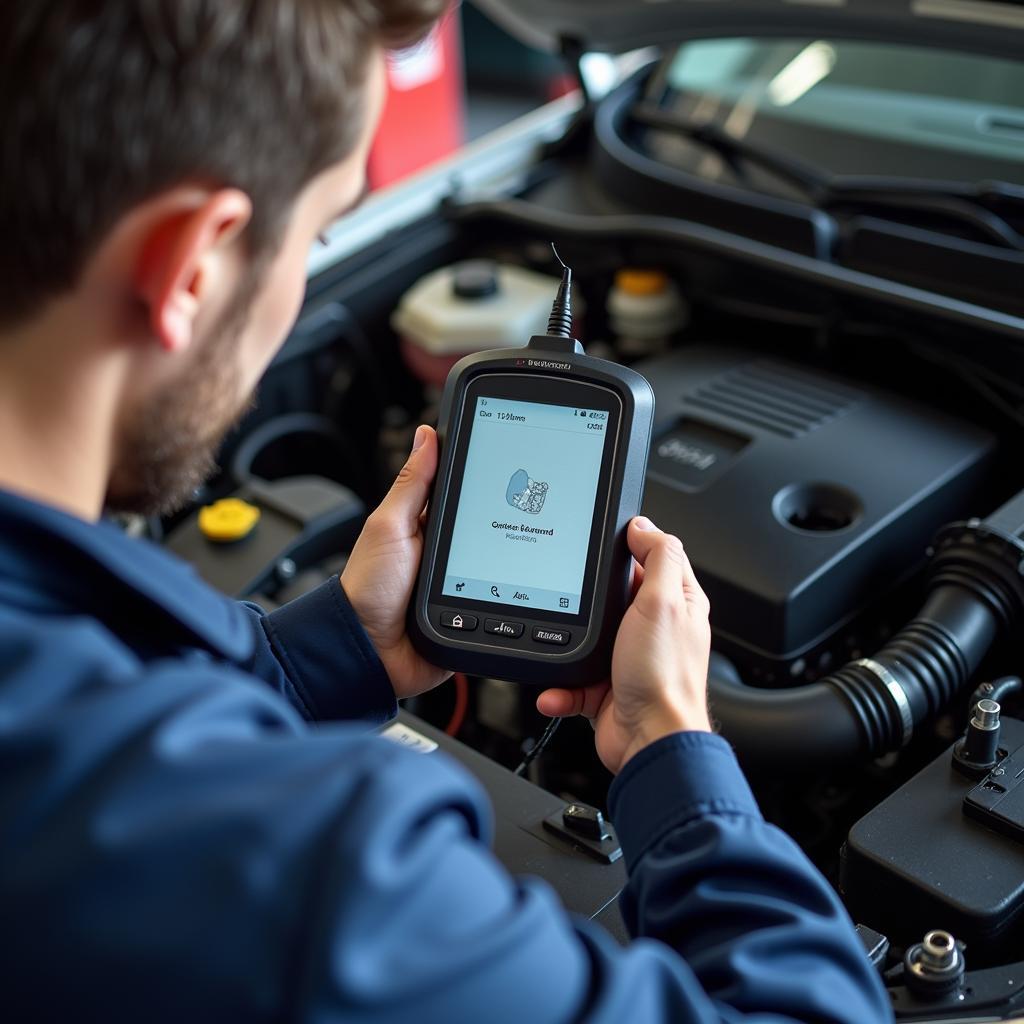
<point x="838" y="456"/>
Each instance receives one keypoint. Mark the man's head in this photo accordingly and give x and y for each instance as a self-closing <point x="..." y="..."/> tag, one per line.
<point x="167" y="165"/>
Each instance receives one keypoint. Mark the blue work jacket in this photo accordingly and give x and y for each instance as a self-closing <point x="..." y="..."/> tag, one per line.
<point x="198" y="823"/>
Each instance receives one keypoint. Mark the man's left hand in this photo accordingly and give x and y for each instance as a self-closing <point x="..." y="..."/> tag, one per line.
<point x="381" y="570"/>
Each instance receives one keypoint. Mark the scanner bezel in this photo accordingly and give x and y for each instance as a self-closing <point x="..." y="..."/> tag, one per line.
<point x="587" y="659"/>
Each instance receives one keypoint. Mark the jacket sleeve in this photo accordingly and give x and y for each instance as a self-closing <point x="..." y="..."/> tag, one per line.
<point x="176" y="844"/>
<point x="315" y="652"/>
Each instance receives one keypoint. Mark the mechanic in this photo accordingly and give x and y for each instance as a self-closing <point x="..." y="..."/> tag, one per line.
<point x="183" y="836"/>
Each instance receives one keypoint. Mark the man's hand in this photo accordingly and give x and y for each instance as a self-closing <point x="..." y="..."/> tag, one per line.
<point x="381" y="570"/>
<point x="660" y="661"/>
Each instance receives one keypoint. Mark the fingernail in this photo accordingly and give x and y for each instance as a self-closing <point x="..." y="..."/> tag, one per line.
<point x="643" y="523"/>
<point x="420" y="439"/>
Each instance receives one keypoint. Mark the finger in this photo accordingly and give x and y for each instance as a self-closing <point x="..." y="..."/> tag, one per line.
<point x="638" y="578"/>
<point x="404" y="503"/>
<point x="660" y="554"/>
<point x="559" y="703"/>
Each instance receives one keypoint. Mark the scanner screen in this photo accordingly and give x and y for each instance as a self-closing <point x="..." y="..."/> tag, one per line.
<point x="522" y="529"/>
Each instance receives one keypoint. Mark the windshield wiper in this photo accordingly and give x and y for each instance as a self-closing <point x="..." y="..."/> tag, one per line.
<point x="986" y="206"/>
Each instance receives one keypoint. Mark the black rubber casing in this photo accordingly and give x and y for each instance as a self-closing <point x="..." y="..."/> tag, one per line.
<point x="584" y="661"/>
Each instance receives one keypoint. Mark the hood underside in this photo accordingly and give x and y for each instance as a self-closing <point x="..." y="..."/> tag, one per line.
<point x="981" y="26"/>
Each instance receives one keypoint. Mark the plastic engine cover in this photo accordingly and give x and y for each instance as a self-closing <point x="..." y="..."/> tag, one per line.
<point x="800" y="497"/>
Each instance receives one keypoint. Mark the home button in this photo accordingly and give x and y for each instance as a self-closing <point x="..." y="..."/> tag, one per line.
<point x="459" y="621"/>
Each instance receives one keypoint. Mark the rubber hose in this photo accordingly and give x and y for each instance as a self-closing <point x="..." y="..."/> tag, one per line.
<point x="999" y="690"/>
<point x="790" y="729"/>
<point x="870" y="706"/>
<point x="286" y="426"/>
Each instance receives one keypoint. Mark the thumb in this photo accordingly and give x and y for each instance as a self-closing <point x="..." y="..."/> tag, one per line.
<point x="408" y="495"/>
<point x="660" y="555"/>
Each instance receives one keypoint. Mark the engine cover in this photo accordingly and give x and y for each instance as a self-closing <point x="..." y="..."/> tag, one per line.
<point x="800" y="497"/>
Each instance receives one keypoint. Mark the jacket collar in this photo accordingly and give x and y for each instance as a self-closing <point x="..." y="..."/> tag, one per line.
<point x="53" y="561"/>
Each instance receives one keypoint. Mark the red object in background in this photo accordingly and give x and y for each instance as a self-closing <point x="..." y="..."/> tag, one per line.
<point x="424" y="117"/>
<point x="561" y="85"/>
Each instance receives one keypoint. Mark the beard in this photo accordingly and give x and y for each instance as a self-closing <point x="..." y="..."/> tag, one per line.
<point x="169" y="446"/>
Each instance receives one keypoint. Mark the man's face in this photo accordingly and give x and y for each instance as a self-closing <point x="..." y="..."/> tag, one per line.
<point x="170" y="437"/>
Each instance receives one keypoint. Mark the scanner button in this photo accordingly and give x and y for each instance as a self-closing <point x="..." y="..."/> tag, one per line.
<point x="547" y="635"/>
<point x="458" y="621"/>
<point x="502" y="627"/>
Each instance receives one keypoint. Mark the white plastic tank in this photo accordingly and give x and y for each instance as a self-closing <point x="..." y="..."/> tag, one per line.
<point x="645" y="308"/>
<point x="470" y="307"/>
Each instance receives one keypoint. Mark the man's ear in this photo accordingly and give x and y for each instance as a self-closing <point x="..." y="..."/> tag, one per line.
<point x="180" y="253"/>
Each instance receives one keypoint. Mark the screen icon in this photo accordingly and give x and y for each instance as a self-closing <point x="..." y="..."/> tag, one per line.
<point x="525" y="493"/>
<point x="494" y="591"/>
<point x="563" y="602"/>
<point x="460" y="587"/>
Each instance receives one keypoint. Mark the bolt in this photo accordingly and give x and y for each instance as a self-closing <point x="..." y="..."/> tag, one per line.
<point x="986" y="715"/>
<point x="938" y="951"/>
<point x="935" y="966"/>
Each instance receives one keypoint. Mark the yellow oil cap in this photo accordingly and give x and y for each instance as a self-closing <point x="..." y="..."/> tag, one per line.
<point x="641" y="282"/>
<point x="228" y="520"/>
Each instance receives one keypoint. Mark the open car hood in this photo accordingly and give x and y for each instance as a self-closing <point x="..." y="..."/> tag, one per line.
<point x="985" y="26"/>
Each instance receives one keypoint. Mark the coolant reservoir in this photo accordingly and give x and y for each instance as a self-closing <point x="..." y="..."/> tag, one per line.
<point x="644" y="310"/>
<point x="469" y="307"/>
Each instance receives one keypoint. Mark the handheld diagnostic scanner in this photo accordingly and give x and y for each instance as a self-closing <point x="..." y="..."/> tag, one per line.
<point x="526" y="573"/>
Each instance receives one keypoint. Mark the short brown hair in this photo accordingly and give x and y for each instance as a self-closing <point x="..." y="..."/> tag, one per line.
<point x="104" y="103"/>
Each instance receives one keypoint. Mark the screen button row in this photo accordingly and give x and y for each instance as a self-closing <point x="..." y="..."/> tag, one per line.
<point x="502" y="627"/>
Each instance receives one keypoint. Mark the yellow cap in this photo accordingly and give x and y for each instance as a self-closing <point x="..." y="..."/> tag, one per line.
<point x="228" y="520"/>
<point x="641" y="282"/>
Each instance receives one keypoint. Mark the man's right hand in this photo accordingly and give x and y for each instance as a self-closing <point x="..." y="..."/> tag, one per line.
<point x="660" y="661"/>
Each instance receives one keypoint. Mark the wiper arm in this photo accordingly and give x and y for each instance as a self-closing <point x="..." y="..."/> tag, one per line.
<point x="983" y="205"/>
<point x="711" y="134"/>
<point x="989" y="192"/>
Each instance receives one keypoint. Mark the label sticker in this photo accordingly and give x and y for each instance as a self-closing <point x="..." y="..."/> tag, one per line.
<point x="401" y="734"/>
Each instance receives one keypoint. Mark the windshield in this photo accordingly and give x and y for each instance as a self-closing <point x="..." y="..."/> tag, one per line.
<point x="846" y="107"/>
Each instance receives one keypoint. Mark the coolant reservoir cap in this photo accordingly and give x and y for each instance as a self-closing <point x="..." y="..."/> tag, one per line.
<point x="434" y="317"/>
<point x="641" y="282"/>
<point x="228" y="520"/>
<point x="475" y="279"/>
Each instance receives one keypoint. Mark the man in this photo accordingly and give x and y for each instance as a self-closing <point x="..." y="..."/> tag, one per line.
<point x="178" y="842"/>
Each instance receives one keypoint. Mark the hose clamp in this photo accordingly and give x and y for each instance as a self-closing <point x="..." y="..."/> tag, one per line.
<point x="896" y="692"/>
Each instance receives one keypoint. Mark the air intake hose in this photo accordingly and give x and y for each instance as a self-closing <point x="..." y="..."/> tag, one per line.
<point x="872" y="706"/>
